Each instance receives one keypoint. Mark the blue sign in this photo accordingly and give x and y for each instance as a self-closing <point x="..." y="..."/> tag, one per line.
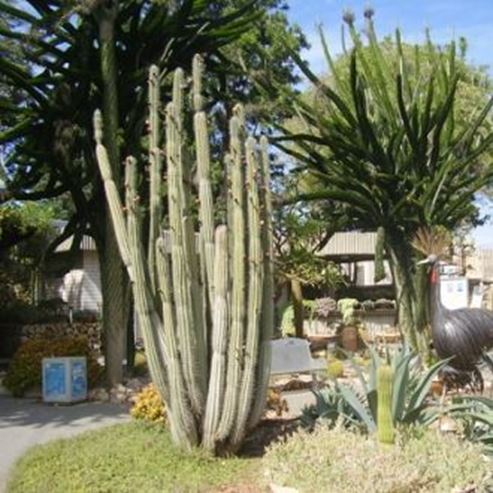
<point x="54" y="379"/>
<point x="79" y="380"/>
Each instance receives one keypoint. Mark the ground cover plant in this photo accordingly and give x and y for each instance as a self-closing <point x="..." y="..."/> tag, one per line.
<point x="125" y="458"/>
<point x="421" y="460"/>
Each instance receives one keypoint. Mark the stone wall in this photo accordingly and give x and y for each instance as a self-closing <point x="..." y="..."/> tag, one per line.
<point x="13" y="335"/>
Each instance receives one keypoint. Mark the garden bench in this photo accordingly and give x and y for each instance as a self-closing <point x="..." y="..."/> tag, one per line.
<point x="291" y="356"/>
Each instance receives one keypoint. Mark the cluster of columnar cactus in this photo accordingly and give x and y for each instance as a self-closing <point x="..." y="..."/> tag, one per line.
<point x="385" y="423"/>
<point x="203" y="292"/>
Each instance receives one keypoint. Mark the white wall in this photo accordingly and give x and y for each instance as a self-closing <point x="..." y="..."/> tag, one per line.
<point x="81" y="287"/>
<point x="90" y="298"/>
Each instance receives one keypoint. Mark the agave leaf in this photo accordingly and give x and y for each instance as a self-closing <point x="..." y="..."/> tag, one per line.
<point x="400" y="390"/>
<point x="358" y="406"/>
<point x="424" y="385"/>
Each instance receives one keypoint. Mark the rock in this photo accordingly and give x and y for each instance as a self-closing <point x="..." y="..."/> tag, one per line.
<point x="447" y="425"/>
<point x="98" y="394"/>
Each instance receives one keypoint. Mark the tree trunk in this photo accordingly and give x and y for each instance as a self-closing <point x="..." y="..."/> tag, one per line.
<point x="410" y="293"/>
<point x="113" y="277"/>
<point x="297" y="300"/>
<point x="114" y="320"/>
<point x="130" y="337"/>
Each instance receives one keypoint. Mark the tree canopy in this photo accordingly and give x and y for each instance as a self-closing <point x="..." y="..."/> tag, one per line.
<point x="386" y="139"/>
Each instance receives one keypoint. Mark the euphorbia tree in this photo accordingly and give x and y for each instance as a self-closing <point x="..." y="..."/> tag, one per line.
<point x="203" y="294"/>
<point x="383" y="140"/>
<point x="84" y="54"/>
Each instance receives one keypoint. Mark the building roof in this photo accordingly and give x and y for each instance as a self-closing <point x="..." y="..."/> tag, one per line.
<point x="350" y="246"/>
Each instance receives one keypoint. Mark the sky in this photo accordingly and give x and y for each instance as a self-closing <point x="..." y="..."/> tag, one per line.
<point x="447" y="19"/>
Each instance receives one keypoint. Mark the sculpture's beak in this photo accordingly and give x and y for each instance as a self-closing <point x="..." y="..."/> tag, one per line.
<point x="424" y="261"/>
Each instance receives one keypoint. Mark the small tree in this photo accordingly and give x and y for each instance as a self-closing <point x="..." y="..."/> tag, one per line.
<point x="300" y="232"/>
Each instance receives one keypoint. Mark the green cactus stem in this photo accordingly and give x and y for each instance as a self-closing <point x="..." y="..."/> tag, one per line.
<point x="385" y="424"/>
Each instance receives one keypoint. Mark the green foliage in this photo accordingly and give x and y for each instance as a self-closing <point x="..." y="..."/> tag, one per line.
<point x="21" y="221"/>
<point x="124" y="458"/>
<point x="300" y="233"/>
<point x="475" y="416"/>
<point x="421" y="460"/>
<point x="384" y="140"/>
<point x="347" y="308"/>
<point x="149" y="406"/>
<point x="287" y="319"/>
<point x="25" y="232"/>
<point x="410" y="389"/>
<point x="24" y="371"/>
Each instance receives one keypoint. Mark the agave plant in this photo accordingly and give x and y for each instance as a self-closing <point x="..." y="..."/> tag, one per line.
<point x="475" y="415"/>
<point x="410" y="388"/>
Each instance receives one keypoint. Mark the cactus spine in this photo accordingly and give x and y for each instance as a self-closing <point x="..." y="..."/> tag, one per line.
<point x="205" y="307"/>
<point x="385" y="424"/>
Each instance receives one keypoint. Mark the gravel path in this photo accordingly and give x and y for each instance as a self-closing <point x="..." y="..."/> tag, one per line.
<point x="26" y="422"/>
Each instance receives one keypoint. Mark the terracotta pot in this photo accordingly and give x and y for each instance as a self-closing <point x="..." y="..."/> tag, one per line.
<point x="349" y="338"/>
<point x="437" y="387"/>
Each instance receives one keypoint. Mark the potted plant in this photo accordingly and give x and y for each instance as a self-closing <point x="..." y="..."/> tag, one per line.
<point x="350" y="323"/>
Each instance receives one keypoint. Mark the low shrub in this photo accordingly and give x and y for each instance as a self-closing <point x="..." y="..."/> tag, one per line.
<point x="24" y="371"/>
<point x="149" y="406"/>
<point x="421" y="460"/>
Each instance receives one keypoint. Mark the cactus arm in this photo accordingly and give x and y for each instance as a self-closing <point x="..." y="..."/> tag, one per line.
<point x="385" y="424"/>
<point x="206" y="209"/>
<point x="191" y="269"/>
<point x="255" y="292"/>
<point x="238" y="280"/>
<point x="149" y="321"/>
<point x="219" y="340"/>
<point x="267" y="320"/>
<point x="180" y="251"/>
<point x="181" y="419"/>
<point x="112" y="195"/>
<point x="127" y="241"/>
<point x="155" y="170"/>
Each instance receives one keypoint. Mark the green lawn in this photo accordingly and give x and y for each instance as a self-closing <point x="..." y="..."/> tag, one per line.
<point x="125" y="458"/>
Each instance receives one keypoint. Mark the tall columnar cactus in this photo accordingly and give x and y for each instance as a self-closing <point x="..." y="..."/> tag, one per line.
<point x="385" y="424"/>
<point x="203" y="292"/>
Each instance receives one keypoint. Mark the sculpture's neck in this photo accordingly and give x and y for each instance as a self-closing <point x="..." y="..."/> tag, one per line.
<point x="436" y="307"/>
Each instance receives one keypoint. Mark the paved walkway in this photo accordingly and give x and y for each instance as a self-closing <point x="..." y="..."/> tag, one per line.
<point x="25" y="422"/>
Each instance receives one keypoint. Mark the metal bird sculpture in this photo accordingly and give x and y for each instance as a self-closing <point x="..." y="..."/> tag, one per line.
<point x="464" y="335"/>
